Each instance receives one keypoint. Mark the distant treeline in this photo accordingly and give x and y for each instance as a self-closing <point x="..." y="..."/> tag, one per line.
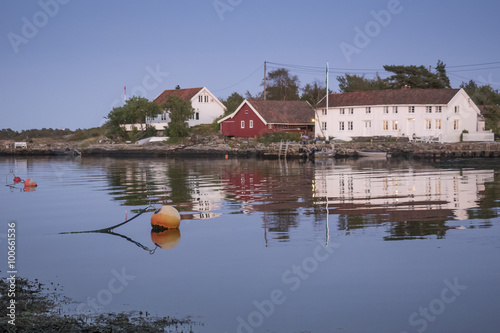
<point x="26" y="135"/>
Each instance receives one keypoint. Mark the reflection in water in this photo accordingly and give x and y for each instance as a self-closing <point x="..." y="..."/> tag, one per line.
<point x="410" y="199"/>
<point x="166" y="239"/>
<point x="416" y="200"/>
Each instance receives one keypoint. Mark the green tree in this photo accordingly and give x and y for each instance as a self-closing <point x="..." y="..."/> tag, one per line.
<point x="481" y="95"/>
<point x="180" y="111"/>
<point x="135" y="111"/>
<point x="354" y="82"/>
<point x="232" y="102"/>
<point x="417" y="77"/>
<point x="282" y="86"/>
<point x="313" y="92"/>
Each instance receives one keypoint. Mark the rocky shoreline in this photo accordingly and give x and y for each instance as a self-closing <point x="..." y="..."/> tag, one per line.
<point x="250" y="148"/>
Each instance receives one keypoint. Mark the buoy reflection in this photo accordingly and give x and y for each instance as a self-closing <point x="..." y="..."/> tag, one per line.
<point x="166" y="239"/>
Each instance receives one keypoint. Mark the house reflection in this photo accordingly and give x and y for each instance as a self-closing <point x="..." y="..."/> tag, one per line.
<point x="413" y="200"/>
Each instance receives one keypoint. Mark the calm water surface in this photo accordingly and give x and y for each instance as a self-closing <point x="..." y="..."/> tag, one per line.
<point x="266" y="246"/>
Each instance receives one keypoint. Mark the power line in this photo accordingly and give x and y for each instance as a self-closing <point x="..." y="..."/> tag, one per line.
<point x="246" y="78"/>
<point x="471" y="65"/>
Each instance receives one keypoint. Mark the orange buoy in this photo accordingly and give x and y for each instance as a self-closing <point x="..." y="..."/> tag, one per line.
<point x="167" y="239"/>
<point x="30" y="183"/>
<point x="167" y="217"/>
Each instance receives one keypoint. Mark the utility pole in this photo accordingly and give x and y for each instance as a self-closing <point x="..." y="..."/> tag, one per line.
<point x="265" y="70"/>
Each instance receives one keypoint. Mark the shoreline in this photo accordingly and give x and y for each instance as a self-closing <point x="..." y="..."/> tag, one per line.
<point x="247" y="149"/>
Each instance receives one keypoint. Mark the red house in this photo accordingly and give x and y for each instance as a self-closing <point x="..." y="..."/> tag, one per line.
<point x="256" y="117"/>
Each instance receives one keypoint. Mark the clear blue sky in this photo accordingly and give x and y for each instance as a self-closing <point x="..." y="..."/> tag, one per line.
<point x="70" y="70"/>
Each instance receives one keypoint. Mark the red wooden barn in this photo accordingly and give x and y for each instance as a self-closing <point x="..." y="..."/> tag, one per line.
<point x="256" y="117"/>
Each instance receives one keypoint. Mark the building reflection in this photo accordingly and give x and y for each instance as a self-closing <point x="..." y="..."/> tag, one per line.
<point x="412" y="200"/>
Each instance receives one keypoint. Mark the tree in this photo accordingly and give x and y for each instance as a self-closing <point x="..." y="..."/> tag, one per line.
<point x="282" y="86"/>
<point x="441" y="73"/>
<point x="417" y="77"/>
<point x="232" y="102"/>
<point x="180" y="111"/>
<point x="481" y="95"/>
<point x="354" y="82"/>
<point x="135" y="110"/>
<point x="313" y="92"/>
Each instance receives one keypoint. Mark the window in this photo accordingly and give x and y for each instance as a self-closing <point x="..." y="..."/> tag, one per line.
<point x="342" y="111"/>
<point x="341" y="126"/>
<point x="324" y="112"/>
<point x="456" y="125"/>
<point x="394" y="109"/>
<point x="428" y="109"/>
<point x="197" y="115"/>
<point x="163" y="116"/>
<point x="386" y="109"/>
<point x="385" y="125"/>
<point x="439" y="109"/>
<point x="394" y="125"/>
<point x="351" y="110"/>
<point x="246" y="111"/>
<point x="242" y="124"/>
<point x="250" y="124"/>
<point x="206" y="99"/>
<point x="368" y="109"/>
<point x="368" y="124"/>
<point x="457" y="109"/>
<point x="428" y="124"/>
<point x="200" y="98"/>
<point x="411" y="109"/>
<point x="438" y="123"/>
<point x="350" y="125"/>
<point x="323" y="125"/>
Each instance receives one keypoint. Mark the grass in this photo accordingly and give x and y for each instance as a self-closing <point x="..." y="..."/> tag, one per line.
<point x="39" y="309"/>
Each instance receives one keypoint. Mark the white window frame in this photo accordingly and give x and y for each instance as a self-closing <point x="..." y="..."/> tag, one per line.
<point x="323" y="125"/>
<point x="242" y="124"/>
<point x="411" y="109"/>
<point x="394" y="125"/>
<point x="351" y="110"/>
<point x="439" y="109"/>
<point x="386" y="109"/>
<point x="341" y="126"/>
<point x="250" y="123"/>
<point x="428" y="109"/>
<point x="438" y="124"/>
<point x="456" y="124"/>
<point x="394" y="109"/>
<point x="385" y="125"/>
<point x="342" y="111"/>
<point x="428" y="124"/>
<point x="350" y="125"/>
<point x="457" y="109"/>
<point x="324" y="112"/>
<point x="368" y="109"/>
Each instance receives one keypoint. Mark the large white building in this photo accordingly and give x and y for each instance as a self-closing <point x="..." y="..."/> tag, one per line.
<point x="206" y="108"/>
<point x="441" y="114"/>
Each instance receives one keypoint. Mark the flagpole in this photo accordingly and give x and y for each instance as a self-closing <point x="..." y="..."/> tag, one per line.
<point x="327" y="89"/>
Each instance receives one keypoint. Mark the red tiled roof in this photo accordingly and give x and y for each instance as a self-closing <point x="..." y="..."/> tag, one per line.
<point x="284" y="112"/>
<point x="389" y="97"/>
<point x="185" y="94"/>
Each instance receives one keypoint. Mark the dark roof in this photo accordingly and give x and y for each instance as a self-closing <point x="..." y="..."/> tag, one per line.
<point x="284" y="112"/>
<point x="389" y="97"/>
<point x="185" y="94"/>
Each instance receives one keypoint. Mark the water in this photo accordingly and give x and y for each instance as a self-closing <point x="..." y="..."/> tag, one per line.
<point x="266" y="246"/>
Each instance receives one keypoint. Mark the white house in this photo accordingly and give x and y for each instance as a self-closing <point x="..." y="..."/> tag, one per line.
<point x="206" y="107"/>
<point x="442" y="114"/>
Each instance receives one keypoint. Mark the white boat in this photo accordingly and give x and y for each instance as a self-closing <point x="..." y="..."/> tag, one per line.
<point x="372" y="154"/>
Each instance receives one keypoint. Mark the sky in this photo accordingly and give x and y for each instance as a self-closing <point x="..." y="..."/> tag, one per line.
<point x="64" y="63"/>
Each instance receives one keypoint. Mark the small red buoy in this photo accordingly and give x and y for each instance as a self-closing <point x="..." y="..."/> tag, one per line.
<point x="30" y="183"/>
<point x="17" y="180"/>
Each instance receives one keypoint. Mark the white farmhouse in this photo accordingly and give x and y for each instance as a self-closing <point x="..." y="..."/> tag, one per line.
<point x="206" y="108"/>
<point x="438" y="114"/>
